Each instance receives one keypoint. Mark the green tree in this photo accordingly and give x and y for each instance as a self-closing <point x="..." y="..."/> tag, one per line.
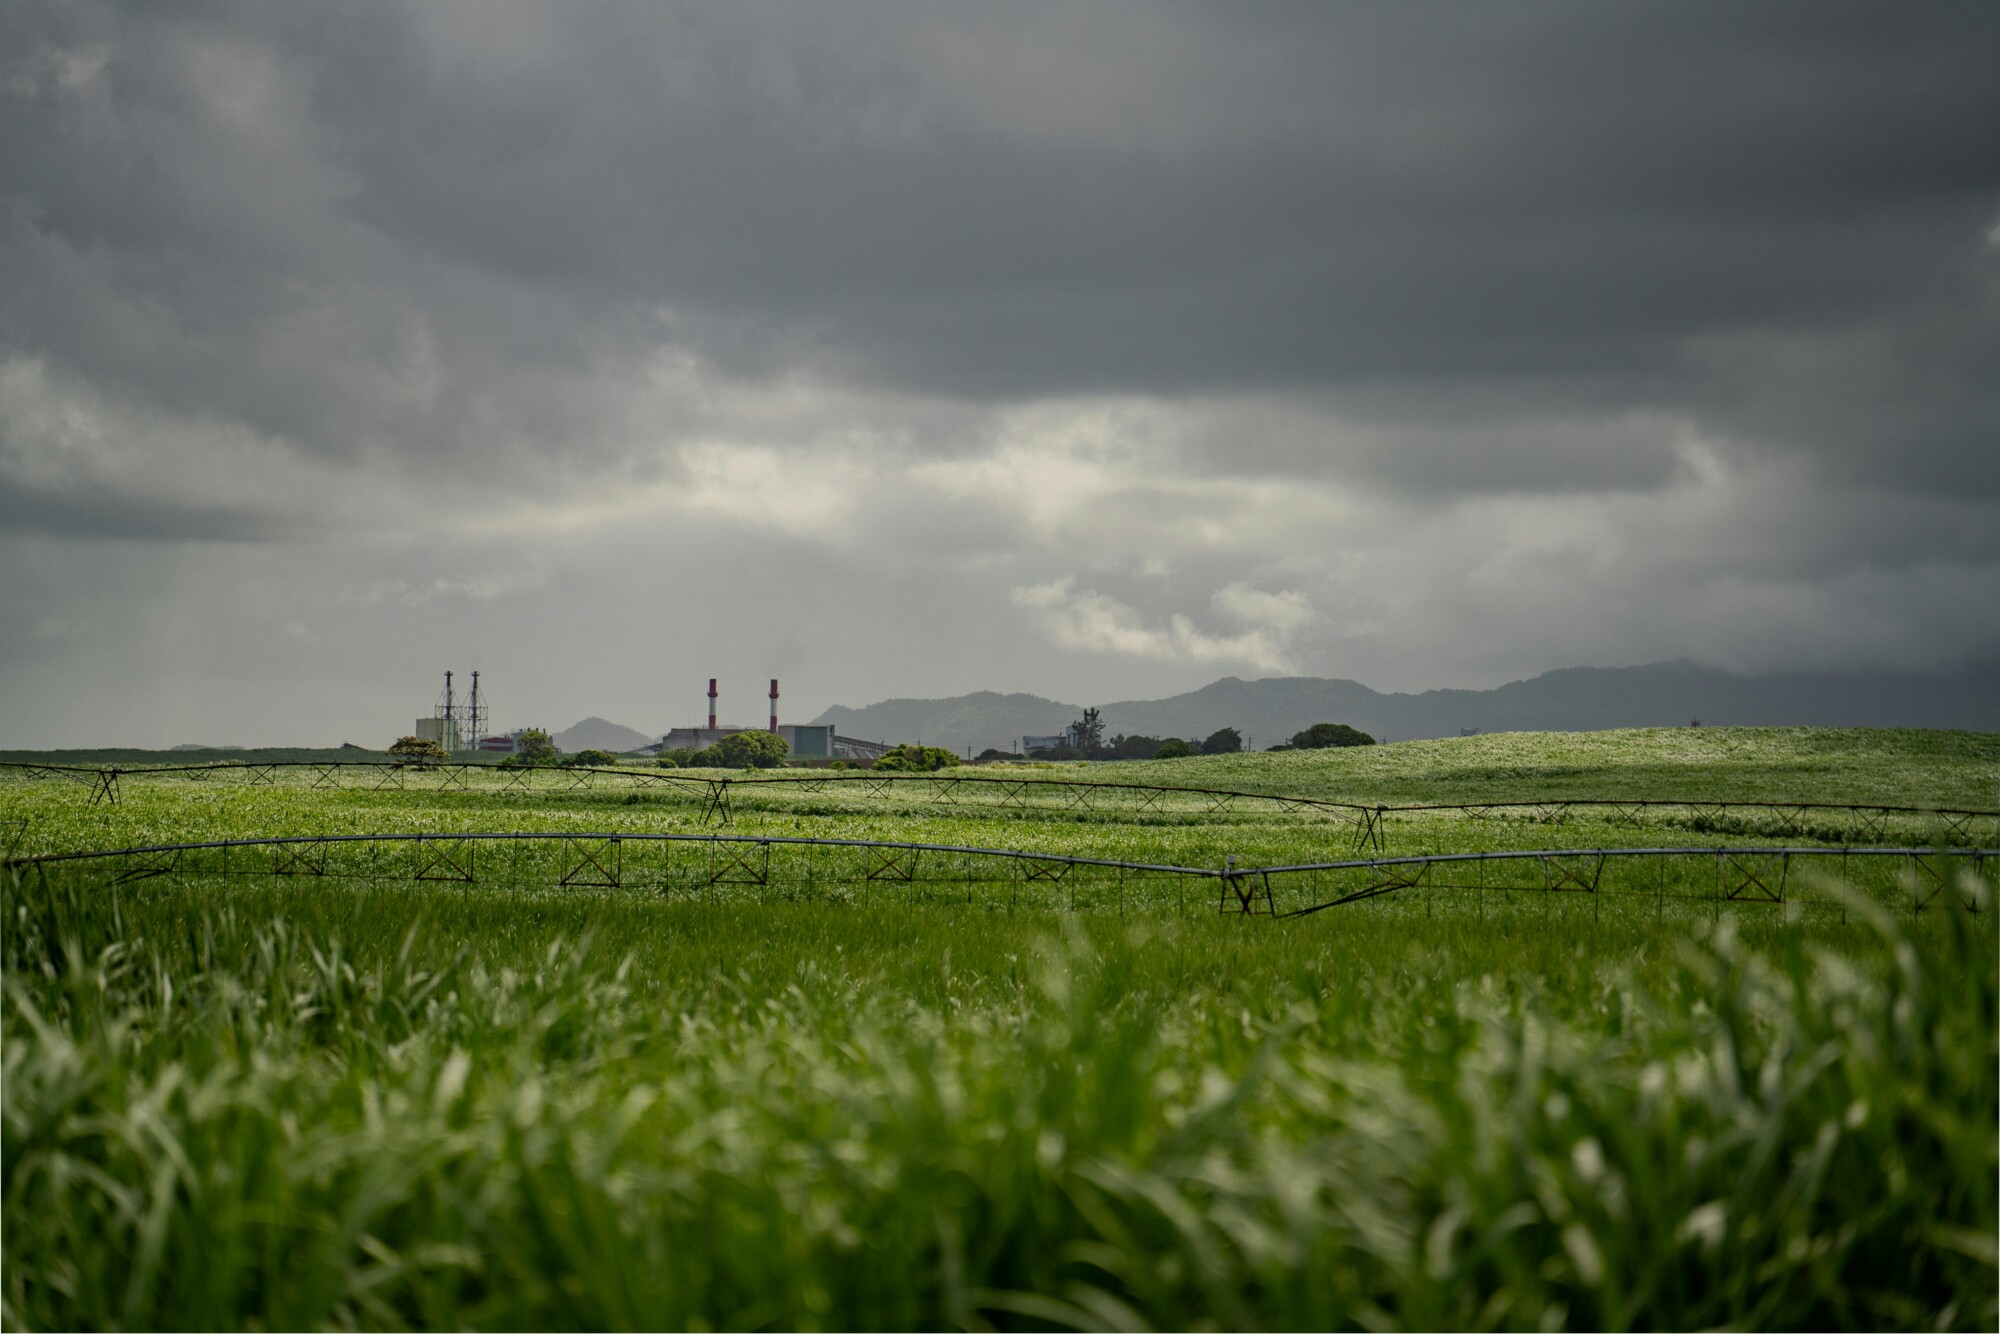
<point x="1222" y="741"/>
<point x="751" y="750"/>
<point x="418" y="750"/>
<point x="532" y="744"/>
<point x="592" y="758"/>
<point x="1088" y="733"/>
<point x="1320" y="736"/>
<point x="916" y="759"/>
<point x="1173" y="748"/>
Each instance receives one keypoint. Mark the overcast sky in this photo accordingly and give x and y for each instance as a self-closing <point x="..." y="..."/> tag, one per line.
<point x="1090" y="350"/>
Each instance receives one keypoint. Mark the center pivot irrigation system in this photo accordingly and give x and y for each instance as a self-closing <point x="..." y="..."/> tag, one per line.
<point x="1847" y="823"/>
<point x="1817" y="878"/>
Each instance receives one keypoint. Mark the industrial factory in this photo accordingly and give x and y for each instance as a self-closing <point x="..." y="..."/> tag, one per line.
<point x="805" y="741"/>
<point x="460" y="724"/>
<point x="453" y="725"/>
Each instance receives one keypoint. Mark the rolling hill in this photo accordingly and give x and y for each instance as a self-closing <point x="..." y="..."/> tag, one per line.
<point x="1569" y="699"/>
<point x="600" y="733"/>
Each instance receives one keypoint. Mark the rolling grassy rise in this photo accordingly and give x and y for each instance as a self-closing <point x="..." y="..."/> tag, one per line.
<point x="294" y="1102"/>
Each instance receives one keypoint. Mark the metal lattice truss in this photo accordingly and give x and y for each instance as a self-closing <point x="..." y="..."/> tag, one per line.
<point x="444" y="857"/>
<point x="714" y="793"/>
<point x="593" y="861"/>
<point x="1919" y="878"/>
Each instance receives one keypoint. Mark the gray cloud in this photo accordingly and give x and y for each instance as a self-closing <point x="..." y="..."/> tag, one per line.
<point x="1162" y="301"/>
<point x="96" y="513"/>
<point x="1111" y="200"/>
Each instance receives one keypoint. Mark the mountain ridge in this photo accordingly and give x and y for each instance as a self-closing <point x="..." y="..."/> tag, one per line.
<point x="1271" y="709"/>
<point x="601" y="734"/>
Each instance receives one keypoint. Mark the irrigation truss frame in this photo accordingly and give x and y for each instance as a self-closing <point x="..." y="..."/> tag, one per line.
<point x="1742" y="876"/>
<point x="1864" y="821"/>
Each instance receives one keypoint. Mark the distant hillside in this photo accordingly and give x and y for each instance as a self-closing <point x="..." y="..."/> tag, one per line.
<point x="1575" y="699"/>
<point x="600" y="733"/>
<point x="981" y="720"/>
<point x="134" y="755"/>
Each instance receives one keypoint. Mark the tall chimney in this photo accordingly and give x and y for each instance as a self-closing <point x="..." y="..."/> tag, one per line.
<point x="774" y="704"/>
<point x="711" y="704"/>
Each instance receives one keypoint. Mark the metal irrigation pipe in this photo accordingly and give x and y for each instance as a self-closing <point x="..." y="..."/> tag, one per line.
<point x="1524" y="853"/>
<point x="672" y="776"/>
<point x="1721" y="804"/>
<point x="753" y="839"/>
<point x="818" y="780"/>
<point x="1230" y="872"/>
<point x="1401" y="876"/>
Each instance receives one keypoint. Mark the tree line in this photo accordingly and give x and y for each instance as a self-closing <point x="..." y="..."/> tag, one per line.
<point x="1086" y="741"/>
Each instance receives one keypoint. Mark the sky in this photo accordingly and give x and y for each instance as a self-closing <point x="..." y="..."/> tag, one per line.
<point x="1096" y="351"/>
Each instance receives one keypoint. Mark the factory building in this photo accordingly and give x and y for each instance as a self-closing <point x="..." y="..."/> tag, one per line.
<point x="803" y="741"/>
<point x="454" y="725"/>
<point x="444" y="731"/>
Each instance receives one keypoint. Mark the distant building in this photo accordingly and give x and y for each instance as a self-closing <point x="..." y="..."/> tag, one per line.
<point x="855" y="749"/>
<point x="444" y="731"/>
<point x="803" y="741"/>
<point x="1034" y="743"/>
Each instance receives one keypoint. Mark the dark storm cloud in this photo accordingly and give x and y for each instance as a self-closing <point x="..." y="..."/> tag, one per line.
<point x="439" y="232"/>
<point x="1573" y="199"/>
<point x="1324" y="196"/>
<point x="99" y="513"/>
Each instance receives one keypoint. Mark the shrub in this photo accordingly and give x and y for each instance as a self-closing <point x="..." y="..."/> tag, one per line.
<point x="1173" y="748"/>
<point x="592" y="758"/>
<point x="750" y="750"/>
<point x="418" y="750"/>
<point x="917" y="759"/>
<point x="1087" y="732"/>
<point x="1321" y="736"/>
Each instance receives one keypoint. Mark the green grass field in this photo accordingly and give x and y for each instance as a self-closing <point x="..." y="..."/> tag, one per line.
<point x="353" y="1099"/>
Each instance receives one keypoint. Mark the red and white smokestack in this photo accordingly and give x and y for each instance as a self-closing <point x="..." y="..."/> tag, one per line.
<point x="774" y="704"/>
<point x="711" y="704"/>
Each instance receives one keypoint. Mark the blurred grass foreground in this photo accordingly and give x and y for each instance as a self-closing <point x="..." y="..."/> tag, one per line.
<point x="271" y="1106"/>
